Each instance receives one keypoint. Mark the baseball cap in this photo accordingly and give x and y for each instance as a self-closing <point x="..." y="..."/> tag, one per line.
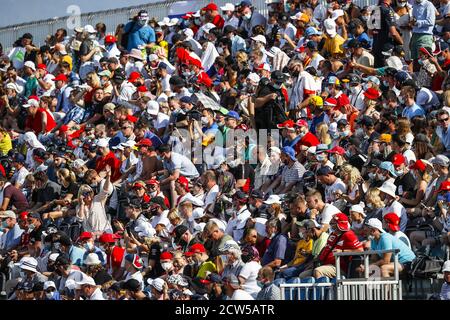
<point x="398" y="159"/>
<point x="234" y="115"/>
<point x="358" y="208"/>
<point x="290" y="152"/>
<point x="375" y="224"/>
<point x="441" y="160"/>
<point x="393" y="221"/>
<point x="311" y="31"/>
<point x="342" y="221"/>
<point x="197" y="248"/>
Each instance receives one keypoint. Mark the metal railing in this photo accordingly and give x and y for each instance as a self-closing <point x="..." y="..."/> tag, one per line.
<point x="307" y="291"/>
<point x="368" y="288"/>
<point x="112" y="18"/>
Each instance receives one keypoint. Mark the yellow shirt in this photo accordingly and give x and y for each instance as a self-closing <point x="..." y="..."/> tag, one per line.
<point x="5" y="144"/>
<point x="206" y="266"/>
<point x="302" y="245"/>
<point x="334" y="45"/>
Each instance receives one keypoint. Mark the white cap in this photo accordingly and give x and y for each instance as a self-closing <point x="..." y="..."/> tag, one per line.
<point x="157" y="283"/>
<point x="89" y="29"/>
<point x="409" y="138"/>
<point x="274" y="150"/>
<point x="31" y="103"/>
<point x="330" y="27"/>
<point x="92" y="259"/>
<point x="221" y="224"/>
<point x="358" y="208"/>
<point x="389" y="188"/>
<point x="164" y="221"/>
<point x="28" y="263"/>
<point x="197" y="14"/>
<point x="273" y="51"/>
<point x="152" y="57"/>
<point x="12" y="86"/>
<point x="312" y="149"/>
<point x="173" y="22"/>
<point x="198" y="213"/>
<point x="199" y="227"/>
<point x="274" y="198"/>
<point x="208" y="27"/>
<point x="230" y="244"/>
<point x="86" y="280"/>
<point x="128" y="144"/>
<point x="259" y="38"/>
<point x="194" y="200"/>
<point x="337" y="13"/>
<point x="30" y="64"/>
<point x="188" y="33"/>
<point x="152" y="107"/>
<point x="103" y="143"/>
<point x="77" y="164"/>
<point x="375" y="223"/>
<point x="254" y="77"/>
<point x="228" y="7"/>
<point x="53" y="257"/>
<point x="49" y="284"/>
<point x="446" y="266"/>
<point x="164" y="22"/>
<point x="118" y="147"/>
<point x="394" y="62"/>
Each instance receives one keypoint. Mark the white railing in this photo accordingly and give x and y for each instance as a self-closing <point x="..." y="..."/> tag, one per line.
<point x="112" y="18"/>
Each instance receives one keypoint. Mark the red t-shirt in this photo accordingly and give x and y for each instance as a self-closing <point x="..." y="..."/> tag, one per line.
<point x="111" y="160"/>
<point x="347" y="241"/>
<point x="218" y="21"/>
<point x="116" y="257"/>
<point x="35" y="123"/>
<point x="262" y="246"/>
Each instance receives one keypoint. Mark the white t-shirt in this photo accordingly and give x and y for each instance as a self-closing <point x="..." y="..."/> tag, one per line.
<point x="327" y="214"/>
<point x="330" y="190"/>
<point x="241" y="295"/>
<point x="395" y="207"/>
<point x="136" y="276"/>
<point x="47" y="79"/>
<point x="211" y="195"/>
<point x="165" y="83"/>
<point x="410" y="156"/>
<point x="161" y="121"/>
<point x="19" y="176"/>
<point x="250" y="272"/>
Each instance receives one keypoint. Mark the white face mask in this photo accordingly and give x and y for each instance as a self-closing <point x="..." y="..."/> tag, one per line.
<point x="248" y="16"/>
<point x="89" y="246"/>
<point x="381" y="177"/>
<point x="167" y="266"/>
<point x="371" y="237"/>
<point x="205" y="121"/>
<point x="50" y="295"/>
<point x="219" y="50"/>
<point x="357" y="225"/>
<point x="372" y="176"/>
<point x="402" y="4"/>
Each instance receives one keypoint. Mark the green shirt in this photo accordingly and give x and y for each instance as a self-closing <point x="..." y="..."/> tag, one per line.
<point x="319" y="244"/>
<point x="30" y="87"/>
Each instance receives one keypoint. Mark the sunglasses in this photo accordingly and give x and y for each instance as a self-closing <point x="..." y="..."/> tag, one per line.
<point x="443" y="120"/>
<point x="124" y="128"/>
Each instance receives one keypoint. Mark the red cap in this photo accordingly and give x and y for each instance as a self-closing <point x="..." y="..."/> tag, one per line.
<point x="212" y="7"/>
<point x="42" y="66"/>
<point x="61" y="77"/>
<point x="152" y="181"/>
<point x="393" y="221"/>
<point x="372" y="94"/>
<point x="145" y="142"/>
<point x="142" y="89"/>
<point x="184" y="182"/>
<point x="134" y="76"/>
<point x="330" y="102"/>
<point x="425" y="51"/>
<point x="33" y="98"/>
<point x="23" y="216"/>
<point x="398" y="159"/>
<point x="132" y="118"/>
<point x="166" y="255"/>
<point x="338" y="150"/>
<point x="301" y="123"/>
<point x="197" y="248"/>
<point x="138" y="184"/>
<point x="110" y="39"/>
<point x="342" y="221"/>
<point x="204" y="79"/>
<point x="289" y="124"/>
<point x="107" y="238"/>
<point x="419" y="165"/>
<point x="85" y="235"/>
<point x="445" y="186"/>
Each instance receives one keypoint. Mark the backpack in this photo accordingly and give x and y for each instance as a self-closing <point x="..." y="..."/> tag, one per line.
<point x="425" y="267"/>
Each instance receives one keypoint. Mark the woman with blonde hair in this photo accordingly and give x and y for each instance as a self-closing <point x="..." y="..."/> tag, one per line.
<point x="353" y="180"/>
<point x="322" y="134"/>
<point x="374" y="204"/>
<point x="403" y="129"/>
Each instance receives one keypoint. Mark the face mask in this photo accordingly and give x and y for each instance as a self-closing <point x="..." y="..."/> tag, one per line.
<point x="277" y="86"/>
<point x="402" y="4"/>
<point x="386" y="83"/>
<point x="4" y="225"/>
<point x="57" y="245"/>
<point x="420" y="61"/>
<point x="118" y="155"/>
<point x="371" y="237"/>
<point x="89" y="246"/>
<point x="357" y="225"/>
<point x="248" y="16"/>
<point x="187" y="75"/>
<point x="320" y="157"/>
<point x="348" y="154"/>
<point x="441" y="59"/>
<point x="50" y="295"/>
<point x="220" y="50"/>
<point x="260" y="284"/>
<point x="372" y="176"/>
<point x="381" y="177"/>
<point x="31" y="227"/>
<point x="153" y="194"/>
<point x="365" y="87"/>
<point x="166" y="266"/>
<point x="344" y="134"/>
<point x="399" y="172"/>
<point x="205" y="121"/>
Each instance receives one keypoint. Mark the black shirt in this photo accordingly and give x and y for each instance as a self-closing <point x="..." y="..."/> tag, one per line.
<point x="406" y="183"/>
<point x="36" y="234"/>
<point x="71" y="189"/>
<point x="50" y="192"/>
<point x="382" y="35"/>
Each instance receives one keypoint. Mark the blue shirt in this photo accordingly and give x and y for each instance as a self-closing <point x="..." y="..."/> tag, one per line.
<point x="237" y="44"/>
<point x="364" y="38"/>
<point x="139" y="36"/>
<point x="412" y="111"/>
<point x="13" y="237"/>
<point x="388" y="241"/>
<point x="76" y="255"/>
<point x="425" y="15"/>
<point x="156" y="141"/>
<point x="444" y="137"/>
<point x="275" y="250"/>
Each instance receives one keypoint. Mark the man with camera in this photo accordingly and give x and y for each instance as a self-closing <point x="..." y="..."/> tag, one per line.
<point x="270" y="103"/>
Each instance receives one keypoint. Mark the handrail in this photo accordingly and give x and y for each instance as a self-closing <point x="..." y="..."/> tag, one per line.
<point x="365" y="252"/>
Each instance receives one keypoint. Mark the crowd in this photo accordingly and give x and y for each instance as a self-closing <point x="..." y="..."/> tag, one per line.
<point x="120" y="175"/>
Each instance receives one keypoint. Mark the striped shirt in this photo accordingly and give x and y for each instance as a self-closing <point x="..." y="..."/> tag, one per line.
<point x="292" y="173"/>
<point x="445" y="291"/>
